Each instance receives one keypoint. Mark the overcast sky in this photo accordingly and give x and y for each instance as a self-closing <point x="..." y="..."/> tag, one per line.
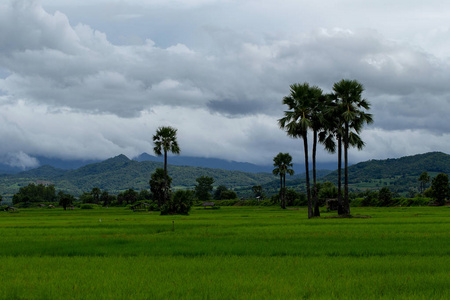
<point x="96" y="79"/>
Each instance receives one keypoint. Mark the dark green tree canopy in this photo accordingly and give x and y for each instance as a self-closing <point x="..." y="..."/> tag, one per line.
<point x="35" y="193"/>
<point x="218" y="192"/>
<point x="440" y="188"/>
<point x="204" y="188"/>
<point x="65" y="199"/>
<point x="157" y="185"/>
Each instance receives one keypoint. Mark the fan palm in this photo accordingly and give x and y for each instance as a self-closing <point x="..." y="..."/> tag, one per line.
<point x="165" y="140"/>
<point x="297" y="121"/>
<point x="348" y="96"/>
<point x="283" y="164"/>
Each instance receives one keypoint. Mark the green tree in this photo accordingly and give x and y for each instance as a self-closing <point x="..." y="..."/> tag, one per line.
<point x="180" y="203"/>
<point x="129" y="196"/>
<point x="440" y="188"/>
<point x="165" y="140"/>
<point x="326" y="191"/>
<point x="319" y="124"/>
<point x="351" y="105"/>
<point x="424" y="179"/>
<point x="144" y="195"/>
<point x="204" y="188"/>
<point x="158" y="184"/>
<point x="258" y="192"/>
<point x="96" y="192"/>
<point x="86" y="197"/>
<point x="35" y="193"/>
<point x="385" y="196"/>
<point x="105" y="199"/>
<point x="297" y="121"/>
<point x="65" y="199"/>
<point x="218" y="192"/>
<point x="291" y="197"/>
<point x="226" y="195"/>
<point x="283" y="164"/>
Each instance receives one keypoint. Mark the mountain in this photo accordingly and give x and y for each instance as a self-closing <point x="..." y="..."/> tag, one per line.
<point x="120" y="173"/>
<point x="400" y="174"/>
<point x="216" y="163"/>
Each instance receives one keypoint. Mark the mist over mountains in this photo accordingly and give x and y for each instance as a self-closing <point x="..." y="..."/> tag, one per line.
<point x="204" y="162"/>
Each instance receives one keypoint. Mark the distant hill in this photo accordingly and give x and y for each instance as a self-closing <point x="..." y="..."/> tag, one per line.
<point x="204" y="162"/>
<point x="216" y="163"/>
<point x="120" y="173"/>
<point x="400" y="174"/>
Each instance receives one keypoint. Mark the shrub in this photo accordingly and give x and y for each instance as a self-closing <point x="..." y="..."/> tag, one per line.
<point x="179" y="204"/>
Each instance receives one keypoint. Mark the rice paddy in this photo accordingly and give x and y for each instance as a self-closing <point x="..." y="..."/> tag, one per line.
<point x="227" y="253"/>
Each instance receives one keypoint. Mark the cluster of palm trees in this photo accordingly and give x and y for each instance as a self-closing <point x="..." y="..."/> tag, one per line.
<point x="335" y="119"/>
<point x="283" y="165"/>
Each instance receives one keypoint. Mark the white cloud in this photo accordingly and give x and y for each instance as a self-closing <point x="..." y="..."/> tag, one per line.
<point x="21" y="160"/>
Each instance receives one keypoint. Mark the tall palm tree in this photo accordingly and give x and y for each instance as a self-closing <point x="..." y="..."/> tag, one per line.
<point x="348" y="95"/>
<point x="165" y="140"/>
<point x="331" y="138"/>
<point x="319" y="126"/>
<point x="297" y="121"/>
<point x="283" y="164"/>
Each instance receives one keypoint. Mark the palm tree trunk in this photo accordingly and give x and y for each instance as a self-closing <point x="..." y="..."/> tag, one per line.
<point x="340" y="206"/>
<point x="346" y="201"/>
<point x="308" y="190"/>
<point x="165" y="177"/>
<point x="281" y="190"/>
<point x="315" y="195"/>
<point x="284" y="191"/>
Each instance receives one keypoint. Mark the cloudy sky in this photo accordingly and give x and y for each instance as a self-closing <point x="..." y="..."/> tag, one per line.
<point x="94" y="80"/>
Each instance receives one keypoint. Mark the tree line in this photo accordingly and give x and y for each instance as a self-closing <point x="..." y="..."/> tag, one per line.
<point x="335" y="119"/>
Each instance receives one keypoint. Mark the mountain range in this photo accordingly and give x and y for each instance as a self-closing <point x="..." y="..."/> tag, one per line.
<point x="120" y="173"/>
<point x="205" y="162"/>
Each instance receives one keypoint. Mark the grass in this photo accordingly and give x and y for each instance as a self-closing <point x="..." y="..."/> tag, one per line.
<point x="231" y="253"/>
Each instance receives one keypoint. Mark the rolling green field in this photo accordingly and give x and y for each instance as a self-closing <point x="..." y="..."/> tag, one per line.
<point x="227" y="253"/>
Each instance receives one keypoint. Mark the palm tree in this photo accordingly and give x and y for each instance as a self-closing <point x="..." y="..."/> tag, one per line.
<point x="319" y="126"/>
<point x="351" y="106"/>
<point x="424" y="178"/>
<point x="297" y="121"/>
<point x="283" y="164"/>
<point x="165" y="140"/>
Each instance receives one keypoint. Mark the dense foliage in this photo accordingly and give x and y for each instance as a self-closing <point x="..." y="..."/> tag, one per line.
<point x="120" y="173"/>
<point x="35" y="193"/>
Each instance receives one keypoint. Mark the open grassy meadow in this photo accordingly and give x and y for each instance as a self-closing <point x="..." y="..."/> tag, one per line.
<point x="227" y="253"/>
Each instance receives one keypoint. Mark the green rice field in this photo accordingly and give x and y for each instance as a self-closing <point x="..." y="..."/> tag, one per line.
<point x="227" y="253"/>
